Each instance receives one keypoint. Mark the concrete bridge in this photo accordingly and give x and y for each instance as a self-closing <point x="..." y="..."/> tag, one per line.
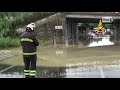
<point x="73" y="18"/>
<point x="69" y="21"/>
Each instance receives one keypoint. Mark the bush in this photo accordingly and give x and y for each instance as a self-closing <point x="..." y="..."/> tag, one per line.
<point x="9" y="42"/>
<point x="10" y="21"/>
<point x="43" y="40"/>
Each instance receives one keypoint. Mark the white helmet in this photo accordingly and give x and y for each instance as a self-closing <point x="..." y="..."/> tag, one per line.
<point x="30" y="26"/>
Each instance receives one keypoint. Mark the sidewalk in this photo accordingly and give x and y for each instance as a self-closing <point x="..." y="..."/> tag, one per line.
<point x="5" y="54"/>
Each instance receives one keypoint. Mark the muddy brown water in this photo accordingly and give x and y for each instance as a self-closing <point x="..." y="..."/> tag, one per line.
<point x="69" y="71"/>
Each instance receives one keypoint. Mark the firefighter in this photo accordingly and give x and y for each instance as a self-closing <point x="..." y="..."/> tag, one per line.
<point x="29" y="45"/>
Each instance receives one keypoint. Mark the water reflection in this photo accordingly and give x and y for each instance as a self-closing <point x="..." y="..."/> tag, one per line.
<point x="104" y="41"/>
<point x="12" y="75"/>
<point x="96" y="41"/>
<point x="99" y="71"/>
<point x="51" y="72"/>
<point x="42" y="72"/>
<point x="14" y="72"/>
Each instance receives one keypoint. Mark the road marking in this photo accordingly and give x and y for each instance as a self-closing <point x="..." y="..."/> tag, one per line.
<point x="6" y="69"/>
<point x="101" y="72"/>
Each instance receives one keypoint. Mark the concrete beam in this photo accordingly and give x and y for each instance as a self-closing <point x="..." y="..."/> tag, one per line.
<point x="90" y="16"/>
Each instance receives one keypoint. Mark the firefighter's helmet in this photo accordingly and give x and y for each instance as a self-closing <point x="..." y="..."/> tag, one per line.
<point x="30" y="26"/>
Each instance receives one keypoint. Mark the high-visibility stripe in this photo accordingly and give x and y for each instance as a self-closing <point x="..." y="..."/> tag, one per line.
<point x="30" y="53"/>
<point x="27" y="39"/>
<point x="32" y="74"/>
<point x="26" y="70"/>
<point x="32" y="71"/>
<point x="27" y="73"/>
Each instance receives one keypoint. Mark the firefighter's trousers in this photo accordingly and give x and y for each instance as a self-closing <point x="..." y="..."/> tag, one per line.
<point x="30" y="66"/>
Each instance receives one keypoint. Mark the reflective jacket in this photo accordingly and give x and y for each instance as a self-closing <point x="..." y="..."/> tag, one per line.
<point x="29" y="43"/>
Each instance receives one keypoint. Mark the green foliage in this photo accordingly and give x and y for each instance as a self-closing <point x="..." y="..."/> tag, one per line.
<point x="9" y="42"/>
<point x="43" y="40"/>
<point x="10" y="21"/>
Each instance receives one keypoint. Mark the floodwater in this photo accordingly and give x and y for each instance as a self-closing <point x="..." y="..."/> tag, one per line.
<point x="69" y="71"/>
<point x="97" y="41"/>
<point x="104" y="71"/>
<point x="101" y="42"/>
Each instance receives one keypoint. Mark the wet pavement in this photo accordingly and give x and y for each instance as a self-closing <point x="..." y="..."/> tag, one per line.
<point x="5" y="56"/>
<point x="106" y="71"/>
<point x="103" y="71"/>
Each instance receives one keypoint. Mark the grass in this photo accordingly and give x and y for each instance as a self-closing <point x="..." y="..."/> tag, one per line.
<point x="8" y="42"/>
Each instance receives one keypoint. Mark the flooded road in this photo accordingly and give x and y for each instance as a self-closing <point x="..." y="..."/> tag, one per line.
<point x="79" y="59"/>
<point x="103" y="71"/>
<point x="97" y="41"/>
<point x="104" y="41"/>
